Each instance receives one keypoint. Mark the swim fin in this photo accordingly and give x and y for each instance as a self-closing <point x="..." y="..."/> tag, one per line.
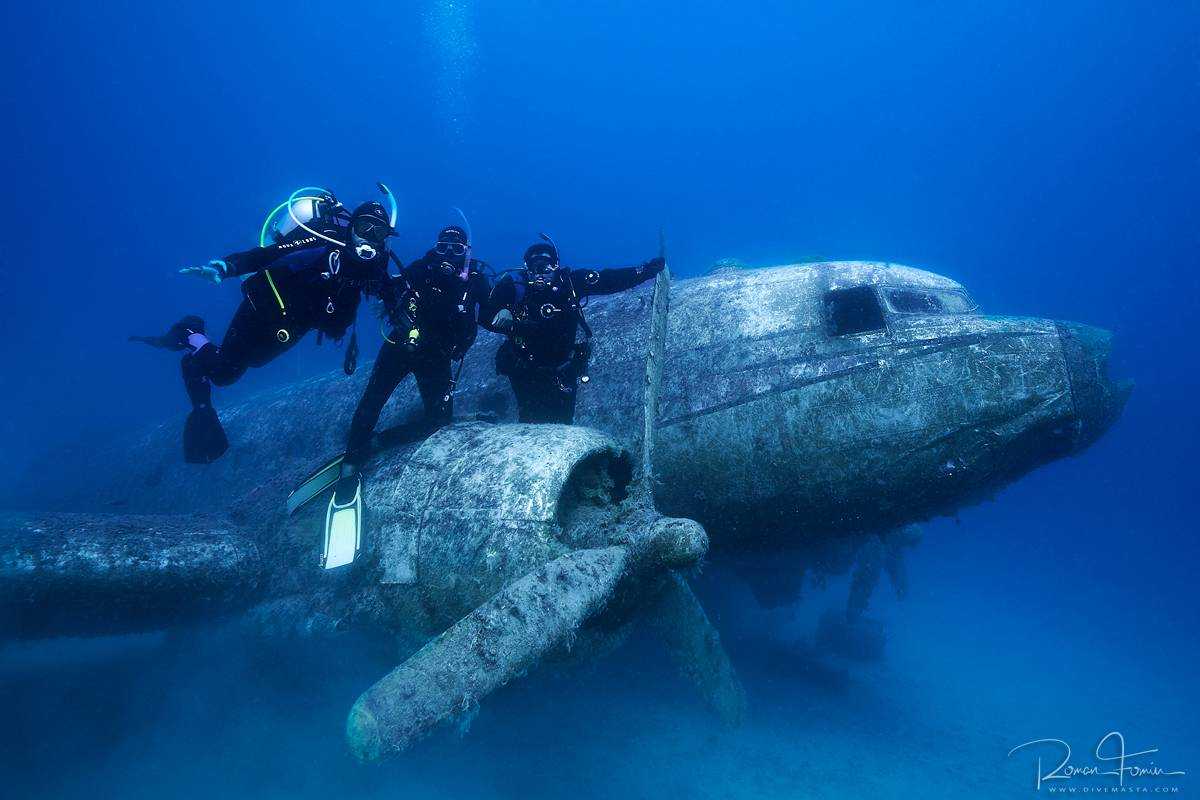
<point x="311" y="487"/>
<point x="203" y="437"/>
<point x="343" y="522"/>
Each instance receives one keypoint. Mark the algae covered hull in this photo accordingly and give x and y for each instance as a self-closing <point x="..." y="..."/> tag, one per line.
<point x="820" y="408"/>
<point x="774" y="425"/>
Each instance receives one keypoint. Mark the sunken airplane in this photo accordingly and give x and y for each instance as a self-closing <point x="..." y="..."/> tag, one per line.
<point x="821" y="409"/>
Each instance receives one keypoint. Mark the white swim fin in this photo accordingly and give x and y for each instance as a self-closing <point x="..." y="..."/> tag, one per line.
<point x="343" y="523"/>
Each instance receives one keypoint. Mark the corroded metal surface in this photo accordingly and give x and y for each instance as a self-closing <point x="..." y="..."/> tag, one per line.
<point x="490" y="547"/>
<point x="486" y="649"/>
<point x="774" y="430"/>
<point x="100" y="574"/>
<point x="770" y="429"/>
<point x="476" y="506"/>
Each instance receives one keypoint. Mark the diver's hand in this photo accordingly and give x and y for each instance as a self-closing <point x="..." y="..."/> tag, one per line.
<point x="503" y="321"/>
<point x="214" y="271"/>
<point x="654" y="265"/>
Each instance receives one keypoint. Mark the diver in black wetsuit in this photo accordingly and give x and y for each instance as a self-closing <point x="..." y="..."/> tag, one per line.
<point x="315" y="279"/>
<point x="434" y="322"/>
<point x="541" y="314"/>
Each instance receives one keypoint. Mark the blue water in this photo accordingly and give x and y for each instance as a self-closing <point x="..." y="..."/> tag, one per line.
<point x="1046" y="155"/>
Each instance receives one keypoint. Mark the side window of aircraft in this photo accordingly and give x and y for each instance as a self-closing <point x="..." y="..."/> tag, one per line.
<point x="957" y="303"/>
<point x="924" y="301"/>
<point x="853" y="310"/>
<point x="914" y="301"/>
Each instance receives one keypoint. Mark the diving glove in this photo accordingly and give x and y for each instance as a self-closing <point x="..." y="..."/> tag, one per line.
<point x="503" y="321"/>
<point x="214" y="271"/>
<point x="654" y="265"/>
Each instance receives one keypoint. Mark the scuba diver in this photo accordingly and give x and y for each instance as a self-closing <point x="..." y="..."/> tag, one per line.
<point x="541" y="314"/>
<point x="433" y="323"/>
<point x="313" y="276"/>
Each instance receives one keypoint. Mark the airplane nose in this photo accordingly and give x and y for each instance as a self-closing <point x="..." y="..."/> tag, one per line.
<point x="1098" y="400"/>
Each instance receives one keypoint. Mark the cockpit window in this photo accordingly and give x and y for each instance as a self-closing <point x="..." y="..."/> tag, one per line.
<point x="929" y="301"/>
<point x="853" y="310"/>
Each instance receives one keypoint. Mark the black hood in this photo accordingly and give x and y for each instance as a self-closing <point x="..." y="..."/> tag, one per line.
<point x="376" y="217"/>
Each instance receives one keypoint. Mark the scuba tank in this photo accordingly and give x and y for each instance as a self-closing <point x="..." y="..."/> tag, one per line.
<point x="307" y="210"/>
<point x="310" y="212"/>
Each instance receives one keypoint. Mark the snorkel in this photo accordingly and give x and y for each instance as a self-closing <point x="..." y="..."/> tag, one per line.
<point x="391" y="199"/>
<point x="466" y="270"/>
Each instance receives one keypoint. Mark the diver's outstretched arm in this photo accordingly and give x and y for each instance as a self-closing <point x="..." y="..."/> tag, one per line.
<point x="290" y="255"/>
<point x="593" y="282"/>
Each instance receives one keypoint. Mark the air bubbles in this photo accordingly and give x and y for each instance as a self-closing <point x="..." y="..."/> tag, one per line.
<point x="450" y="40"/>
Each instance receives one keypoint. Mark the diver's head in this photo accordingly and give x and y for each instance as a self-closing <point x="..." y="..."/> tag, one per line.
<point x="451" y="250"/>
<point x="369" y="229"/>
<point x="541" y="263"/>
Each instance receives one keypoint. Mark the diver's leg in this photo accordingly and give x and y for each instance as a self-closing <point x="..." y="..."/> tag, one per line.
<point x="567" y="395"/>
<point x="176" y="337"/>
<point x="539" y="398"/>
<point x="433" y="381"/>
<point x="247" y="341"/>
<point x="527" y="407"/>
<point x="217" y="364"/>
<point x="391" y="367"/>
<point x="344" y="517"/>
<point x="204" y="439"/>
<point x="195" y="381"/>
<point x="555" y="398"/>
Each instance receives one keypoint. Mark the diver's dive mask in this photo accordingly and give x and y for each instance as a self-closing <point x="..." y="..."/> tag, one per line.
<point x="541" y="271"/>
<point x="541" y="263"/>
<point x="368" y="236"/>
<point x="450" y="248"/>
<point x="371" y="229"/>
